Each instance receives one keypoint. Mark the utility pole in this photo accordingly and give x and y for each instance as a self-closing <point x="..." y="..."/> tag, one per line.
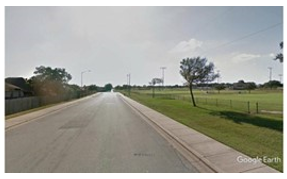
<point x="129" y="83"/>
<point x="162" y="68"/>
<point x="270" y="73"/>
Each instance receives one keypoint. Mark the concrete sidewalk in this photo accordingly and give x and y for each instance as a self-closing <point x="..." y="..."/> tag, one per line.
<point x="215" y="155"/>
<point x="13" y="122"/>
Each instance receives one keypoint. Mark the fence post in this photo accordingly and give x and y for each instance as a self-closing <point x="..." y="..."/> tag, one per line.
<point x="248" y="106"/>
<point x="257" y="108"/>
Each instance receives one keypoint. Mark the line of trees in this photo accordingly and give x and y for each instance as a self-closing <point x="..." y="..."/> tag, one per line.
<point x="274" y="84"/>
<point x="49" y="81"/>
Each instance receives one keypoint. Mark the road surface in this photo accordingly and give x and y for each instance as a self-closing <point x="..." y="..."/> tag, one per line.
<point x="100" y="134"/>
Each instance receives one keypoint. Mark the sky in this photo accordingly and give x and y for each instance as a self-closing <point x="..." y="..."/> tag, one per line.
<point x="112" y="42"/>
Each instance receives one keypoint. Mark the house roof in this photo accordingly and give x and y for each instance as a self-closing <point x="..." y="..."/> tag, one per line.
<point x="10" y="87"/>
<point x="18" y="82"/>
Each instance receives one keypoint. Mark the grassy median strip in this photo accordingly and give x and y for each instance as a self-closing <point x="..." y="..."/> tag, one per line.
<point x="254" y="135"/>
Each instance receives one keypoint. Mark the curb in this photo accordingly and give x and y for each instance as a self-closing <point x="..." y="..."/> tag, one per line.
<point x="213" y="167"/>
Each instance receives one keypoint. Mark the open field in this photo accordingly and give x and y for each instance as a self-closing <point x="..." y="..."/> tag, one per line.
<point x="260" y="101"/>
<point x="253" y="134"/>
<point x="274" y="96"/>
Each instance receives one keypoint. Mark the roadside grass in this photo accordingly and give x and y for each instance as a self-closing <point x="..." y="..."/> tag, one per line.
<point x="268" y="100"/>
<point x="254" y="135"/>
<point x="262" y="96"/>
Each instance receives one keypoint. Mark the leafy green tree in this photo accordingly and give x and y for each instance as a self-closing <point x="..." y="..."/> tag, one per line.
<point x="57" y="74"/>
<point x="250" y="86"/>
<point x="50" y="82"/>
<point x="272" y="84"/>
<point x="118" y="87"/>
<point x="108" y="87"/>
<point x="219" y="87"/>
<point x="92" y="88"/>
<point x="73" y="90"/>
<point x="197" y="70"/>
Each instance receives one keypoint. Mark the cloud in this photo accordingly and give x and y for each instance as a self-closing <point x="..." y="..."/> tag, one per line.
<point x="244" y="57"/>
<point x="187" y="46"/>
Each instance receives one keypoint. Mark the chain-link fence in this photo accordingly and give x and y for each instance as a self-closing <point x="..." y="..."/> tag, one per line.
<point x="244" y="106"/>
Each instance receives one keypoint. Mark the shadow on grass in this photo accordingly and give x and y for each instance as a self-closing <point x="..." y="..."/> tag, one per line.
<point x="254" y="120"/>
<point x="207" y="109"/>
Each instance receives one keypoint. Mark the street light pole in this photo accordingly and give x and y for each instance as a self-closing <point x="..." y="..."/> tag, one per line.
<point x="129" y="83"/>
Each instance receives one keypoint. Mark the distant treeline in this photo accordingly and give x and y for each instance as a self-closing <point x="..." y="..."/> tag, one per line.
<point x="48" y="81"/>
<point x="240" y="85"/>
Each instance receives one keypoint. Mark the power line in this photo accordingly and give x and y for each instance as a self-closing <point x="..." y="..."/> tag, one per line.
<point x="245" y="37"/>
<point x="202" y="27"/>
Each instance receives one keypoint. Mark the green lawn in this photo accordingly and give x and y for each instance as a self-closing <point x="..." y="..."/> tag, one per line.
<point x="267" y="100"/>
<point x="262" y="96"/>
<point x="254" y="135"/>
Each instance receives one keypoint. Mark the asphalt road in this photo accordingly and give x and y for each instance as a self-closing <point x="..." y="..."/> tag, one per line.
<point x="100" y="134"/>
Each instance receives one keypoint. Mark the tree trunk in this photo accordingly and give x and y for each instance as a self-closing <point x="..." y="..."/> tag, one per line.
<point x="191" y="93"/>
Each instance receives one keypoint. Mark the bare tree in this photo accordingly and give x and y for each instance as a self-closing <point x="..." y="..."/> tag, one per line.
<point x="196" y="70"/>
